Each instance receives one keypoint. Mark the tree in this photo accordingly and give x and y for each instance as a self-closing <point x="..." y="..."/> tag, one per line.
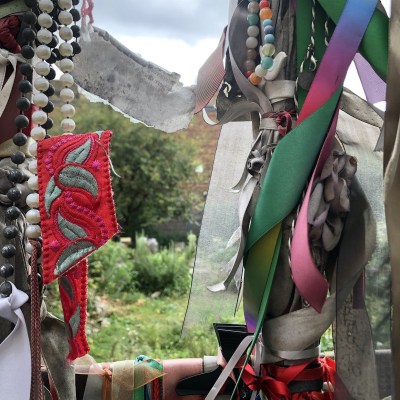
<point x="153" y="167"/>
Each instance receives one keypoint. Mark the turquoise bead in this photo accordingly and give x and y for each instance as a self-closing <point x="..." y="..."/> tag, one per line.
<point x="270" y="38"/>
<point x="266" y="62"/>
<point x="267" y="22"/>
<point x="253" y="19"/>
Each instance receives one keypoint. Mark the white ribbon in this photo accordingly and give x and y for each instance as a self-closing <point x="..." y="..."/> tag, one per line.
<point x="5" y="91"/>
<point x="15" y="350"/>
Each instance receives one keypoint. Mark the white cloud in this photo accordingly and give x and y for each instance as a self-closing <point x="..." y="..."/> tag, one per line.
<point x="172" y="54"/>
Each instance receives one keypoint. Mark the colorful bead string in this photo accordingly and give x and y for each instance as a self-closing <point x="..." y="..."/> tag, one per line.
<point x="259" y="12"/>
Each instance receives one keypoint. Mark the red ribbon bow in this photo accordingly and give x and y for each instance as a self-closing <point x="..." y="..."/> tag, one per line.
<point x="275" y="380"/>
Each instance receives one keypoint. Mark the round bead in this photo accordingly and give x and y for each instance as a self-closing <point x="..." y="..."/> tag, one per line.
<point x="249" y="65"/>
<point x="10" y="232"/>
<point x="40" y="100"/>
<point x="268" y="50"/>
<point x="67" y="95"/>
<point x="46" y="6"/>
<point x="67" y="110"/>
<point x="33" y="216"/>
<point x="267" y="22"/>
<point x="21" y="121"/>
<point x="50" y="91"/>
<point x="251" y="54"/>
<point x="27" y="51"/>
<point x="29" y="17"/>
<point x="269" y="38"/>
<point x="66" y="49"/>
<point x="5" y="289"/>
<point x="14" y="194"/>
<point x="39" y="117"/>
<point x="75" y="2"/>
<point x="32" y="166"/>
<point x="28" y="35"/>
<point x="15" y="175"/>
<point x="41" y="84"/>
<point x="43" y="52"/>
<point x="33" y="182"/>
<point x="32" y="200"/>
<point x="44" y="36"/>
<point x="20" y="139"/>
<point x="26" y="69"/>
<point x="64" y="4"/>
<point x="6" y="270"/>
<point x="33" y="149"/>
<point x="51" y="75"/>
<point x="76" y="47"/>
<point x="29" y="249"/>
<point x="42" y="68"/>
<point x="76" y="16"/>
<point x="67" y="80"/>
<point x="24" y="86"/>
<point x="53" y="58"/>
<point x="48" y="108"/>
<point x="68" y="125"/>
<point x="255" y="79"/>
<point x="268" y="29"/>
<point x="267" y="62"/>
<point x="8" y="250"/>
<point x="38" y="133"/>
<point x="18" y="158"/>
<point x="54" y="27"/>
<point x="45" y="20"/>
<point x="54" y="42"/>
<point x="266" y="13"/>
<point x="251" y="42"/>
<point x="66" y="33"/>
<point x="12" y="213"/>
<point x="48" y="124"/>
<point x="253" y="30"/>
<point x="260" y="71"/>
<point x="252" y="19"/>
<point x="264" y="3"/>
<point x="253" y="7"/>
<point x="23" y="104"/>
<point x="76" y="31"/>
<point x="33" y="231"/>
<point x="66" y="65"/>
<point x="65" y="18"/>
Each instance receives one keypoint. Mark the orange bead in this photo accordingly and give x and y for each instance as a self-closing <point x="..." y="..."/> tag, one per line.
<point x="266" y="13"/>
<point x="255" y="79"/>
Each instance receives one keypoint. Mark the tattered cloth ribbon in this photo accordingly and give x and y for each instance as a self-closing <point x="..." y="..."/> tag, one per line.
<point x="274" y="380"/>
<point x="121" y="380"/>
<point x="15" y="351"/>
<point x="77" y="217"/>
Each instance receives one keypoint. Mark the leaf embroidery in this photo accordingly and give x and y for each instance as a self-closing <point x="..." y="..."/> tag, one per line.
<point x="65" y="284"/>
<point x="80" y="154"/>
<point x="51" y="194"/>
<point x="75" y="321"/>
<point x="71" y="254"/>
<point x="70" y="230"/>
<point x="72" y="176"/>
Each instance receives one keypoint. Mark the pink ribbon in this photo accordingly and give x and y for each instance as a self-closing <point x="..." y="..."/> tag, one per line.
<point x="330" y="76"/>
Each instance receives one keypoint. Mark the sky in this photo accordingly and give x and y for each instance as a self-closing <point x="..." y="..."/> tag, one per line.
<point x="175" y="34"/>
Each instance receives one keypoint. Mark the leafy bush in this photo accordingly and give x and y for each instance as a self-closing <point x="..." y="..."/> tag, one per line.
<point x="116" y="269"/>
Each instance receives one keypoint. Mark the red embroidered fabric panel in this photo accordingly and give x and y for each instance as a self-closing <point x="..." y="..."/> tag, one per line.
<point x="76" y="206"/>
<point x="73" y="294"/>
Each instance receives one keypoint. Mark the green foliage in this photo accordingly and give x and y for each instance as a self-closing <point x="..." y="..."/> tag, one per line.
<point x="117" y="270"/>
<point x="153" y="167"/>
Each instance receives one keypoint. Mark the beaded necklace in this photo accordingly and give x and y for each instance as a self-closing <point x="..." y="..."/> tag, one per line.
<point x="259" y="11"/>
